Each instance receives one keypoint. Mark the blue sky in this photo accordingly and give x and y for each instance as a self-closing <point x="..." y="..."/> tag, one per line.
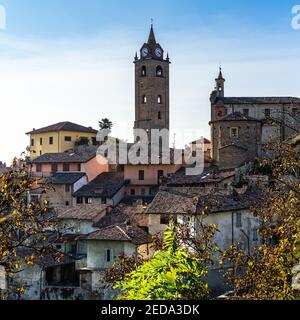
<point x="72" y="59"/>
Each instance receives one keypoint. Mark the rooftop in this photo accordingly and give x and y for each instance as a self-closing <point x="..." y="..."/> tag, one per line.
<point x="107" y="184"/>
<point x="191" y="200"/>
<point x="237" y="116"/>
<point x="173" y="200"/>
<point x="63" y="126"/>
<point x="121" y="232"/>
<point x="78" y="155"/>
<point x="208" y="176"/>
<point x="65" y="177"/>
<point x="82" y="212"/>
<point x="258" y="100"/>
<point x="123" y="212"/>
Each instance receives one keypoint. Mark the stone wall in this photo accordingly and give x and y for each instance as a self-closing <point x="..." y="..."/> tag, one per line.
<point x="229" y="151"/>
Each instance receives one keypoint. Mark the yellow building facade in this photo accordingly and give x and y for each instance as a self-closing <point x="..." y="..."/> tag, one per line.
<point x="58" y="138"/>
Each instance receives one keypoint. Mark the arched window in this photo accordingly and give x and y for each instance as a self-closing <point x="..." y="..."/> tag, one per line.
<point x="159" y="71"/>
<point x="159" y="115"/>
<point x="144" y="71"/>
<point x="159" y="99"/>
<point x="144" y="99"/>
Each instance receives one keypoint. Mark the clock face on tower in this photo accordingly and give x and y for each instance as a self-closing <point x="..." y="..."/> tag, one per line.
<point x="158" y="52"/>
<point x="145" y="52"/>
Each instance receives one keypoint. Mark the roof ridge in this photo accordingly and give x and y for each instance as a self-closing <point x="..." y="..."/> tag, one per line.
<point x="118" y="227"/>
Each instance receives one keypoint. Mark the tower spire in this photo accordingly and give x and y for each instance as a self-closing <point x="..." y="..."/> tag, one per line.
<point x="151" y="39"/>
<point x="220" y="77"/>
<point x="220" y="81"/>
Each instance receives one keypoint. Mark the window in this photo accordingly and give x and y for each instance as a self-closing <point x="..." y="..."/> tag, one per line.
<point x="234" y="132"/>
<point x="79" y="200"/>
<point x="41" y="141"/>
<point x="66" y="167"/>
<point x="144" y="71"/>
<point x="187" y="220"/>
<point x="159" y="99"/>
<point x="219" y="114"/>
<point x="32" y="142"/>
<point x="54" y="168"/>
<point x="132" y="192"/>
<point x="238" y="220"/>
<point x="143" y="192"/>
<point x="67" y="188"/>
<point x="267" y="112"/>
<point x="160" y="174"/>
<point x="108" y="255"/>
<point x="50" y="140"/>
<point x="67" y="203"/>
<point x="159" y="115"/>
<point x="38" y="167"/>
<point x="246" y="112"/>
<point x="144" y="99"/>
<point x="141" y="175"/>
<point x="79" y="167"/>
<point x="166" y="219"/>
<point x="68" y="139"/>
<point x="41" y="153"/>
<point x="88" y="200"/>
<point x="103" y="200"/>
<point x="159" y="71"/>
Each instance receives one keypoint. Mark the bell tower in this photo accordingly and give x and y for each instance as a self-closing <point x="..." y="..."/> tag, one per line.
<point x="152" y="110"/>
<point x="220" y="85"/>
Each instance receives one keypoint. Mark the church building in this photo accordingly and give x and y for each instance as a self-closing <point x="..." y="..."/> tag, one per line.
<point x="242" y="126"/>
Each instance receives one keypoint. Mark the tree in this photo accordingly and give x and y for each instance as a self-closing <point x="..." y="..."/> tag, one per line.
<point x="175" y="272"/>
<point x="105" y="124"/>
<point x="23" y="226"/>
<point x="269" y="272"/>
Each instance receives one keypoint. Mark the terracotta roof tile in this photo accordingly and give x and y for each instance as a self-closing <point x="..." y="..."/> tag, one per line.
<point x="121" y="232"/>
<point x="82" y="212"/>
<point x="64" y="126"/>
<point x="107" y="184"/>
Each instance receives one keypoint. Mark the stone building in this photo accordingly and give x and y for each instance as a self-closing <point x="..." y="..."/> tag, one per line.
<point x="152" y="87"/>
<point x="91" y="242"/>
<point x="231" y="213"/>
<point x="63" y="185"/>
<point x="240" y="126"/>
<point x="237" y="139"/>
